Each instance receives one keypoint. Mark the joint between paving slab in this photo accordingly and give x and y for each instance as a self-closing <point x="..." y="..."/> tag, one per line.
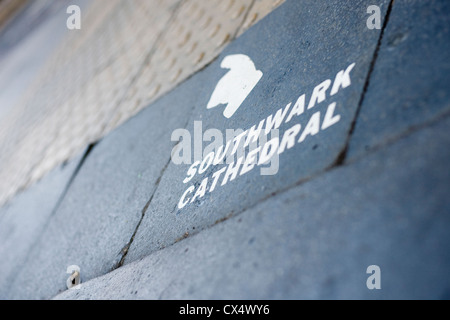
<point x="75" y="173"/>
<point x="125" y="249"/>
<point x="58" y="203"/>
<point x="391" y="140"/>
<point x="343" y="154"/>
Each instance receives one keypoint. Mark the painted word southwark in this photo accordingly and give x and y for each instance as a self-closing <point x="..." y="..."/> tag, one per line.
<point x="262" y="154"/>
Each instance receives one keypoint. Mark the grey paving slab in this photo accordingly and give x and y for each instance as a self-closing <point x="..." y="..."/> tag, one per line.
<point x="24" y="218"/>
<point x="410" y="84"/>
<point x="298" y="47"/>
<point x="316" y="240"/>
<point x="101" y="210"/>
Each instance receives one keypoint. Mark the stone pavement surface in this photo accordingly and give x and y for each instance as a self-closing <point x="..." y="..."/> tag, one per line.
<point x="366" y="184"/>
